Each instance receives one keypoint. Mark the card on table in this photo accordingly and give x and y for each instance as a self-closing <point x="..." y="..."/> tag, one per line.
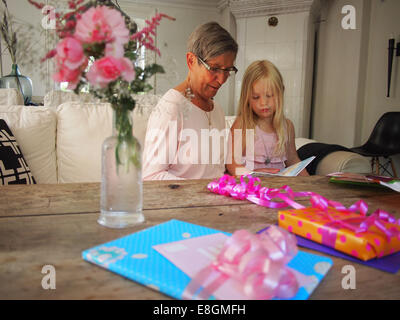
<point x="365" y="180"/>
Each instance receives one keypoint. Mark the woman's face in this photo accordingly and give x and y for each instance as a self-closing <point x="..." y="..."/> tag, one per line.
<point x="206" y="83"/>
<point x="262" y="99"/>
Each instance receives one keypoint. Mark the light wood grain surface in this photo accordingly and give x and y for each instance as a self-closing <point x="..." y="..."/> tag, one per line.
<point x="53" y="224"/>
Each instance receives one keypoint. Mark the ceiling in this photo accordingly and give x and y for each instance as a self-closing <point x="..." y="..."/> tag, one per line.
<point x="211" y="4"/>
<point x="239" y="8"/>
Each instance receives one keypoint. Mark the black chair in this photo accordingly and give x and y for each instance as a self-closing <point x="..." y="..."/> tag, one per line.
<point x="384" y="141"/>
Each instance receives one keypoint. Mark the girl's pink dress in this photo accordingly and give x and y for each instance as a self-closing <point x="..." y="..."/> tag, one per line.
<point x="264" y="145"/>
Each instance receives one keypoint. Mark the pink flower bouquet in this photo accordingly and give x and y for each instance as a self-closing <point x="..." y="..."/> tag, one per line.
<point x="98" y="48"/>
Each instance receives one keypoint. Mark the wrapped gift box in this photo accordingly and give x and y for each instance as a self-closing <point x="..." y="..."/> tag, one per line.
<point x="315" y="224"/>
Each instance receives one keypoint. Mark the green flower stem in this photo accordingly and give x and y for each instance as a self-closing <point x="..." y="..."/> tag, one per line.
<point x="126" y="151"/>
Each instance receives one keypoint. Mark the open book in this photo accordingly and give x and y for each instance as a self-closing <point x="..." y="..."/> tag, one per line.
<point x="291" y="171"/>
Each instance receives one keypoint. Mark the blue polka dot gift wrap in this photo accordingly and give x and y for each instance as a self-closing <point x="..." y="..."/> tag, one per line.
<point x="135" y="257"/>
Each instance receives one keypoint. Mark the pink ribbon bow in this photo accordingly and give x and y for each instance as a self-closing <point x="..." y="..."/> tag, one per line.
<point x="256" y="261"/>
<point x="377" y="218"/>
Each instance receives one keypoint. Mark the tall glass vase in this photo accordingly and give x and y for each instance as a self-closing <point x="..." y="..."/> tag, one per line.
<point x="121" y="177"/>
<point x="15" y="80"/>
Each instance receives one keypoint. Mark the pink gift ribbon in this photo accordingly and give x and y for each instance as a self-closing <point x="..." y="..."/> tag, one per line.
<point x="256" y="261"/>
<point x="227" y="186"/>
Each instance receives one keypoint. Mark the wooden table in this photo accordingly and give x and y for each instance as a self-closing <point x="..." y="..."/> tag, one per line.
<point x="52" y="224"/>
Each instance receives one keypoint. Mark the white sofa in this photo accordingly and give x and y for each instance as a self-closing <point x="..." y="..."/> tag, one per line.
<point x="62" y="143"/>
<point x="10" y="96"/>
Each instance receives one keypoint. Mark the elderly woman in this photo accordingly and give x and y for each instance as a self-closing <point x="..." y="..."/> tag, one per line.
<point x="184" y="137"/>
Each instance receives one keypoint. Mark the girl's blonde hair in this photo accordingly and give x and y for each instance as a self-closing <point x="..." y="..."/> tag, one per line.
<point x="263" y="69"/>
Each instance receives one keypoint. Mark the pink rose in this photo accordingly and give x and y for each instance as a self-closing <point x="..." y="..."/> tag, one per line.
<point x="128" y="71"/>
<point x="108" y="69"/>
<point x="65" y="74"/>
<point x="70" y="53"/>
<point x="101" y="24"/>
<point x="114" y="49"/>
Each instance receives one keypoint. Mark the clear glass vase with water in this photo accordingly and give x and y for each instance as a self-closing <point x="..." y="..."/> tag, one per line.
<point x="121" y="200"/>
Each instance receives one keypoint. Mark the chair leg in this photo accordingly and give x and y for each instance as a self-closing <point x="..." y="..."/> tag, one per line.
<point x="372" y="164"/>
<point x="384" y="166"/>
<point x="376" y="161"/>
<point x="393" y="168"/>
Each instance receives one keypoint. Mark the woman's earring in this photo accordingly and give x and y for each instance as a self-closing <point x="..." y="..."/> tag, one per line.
<point x="188" y="92"/>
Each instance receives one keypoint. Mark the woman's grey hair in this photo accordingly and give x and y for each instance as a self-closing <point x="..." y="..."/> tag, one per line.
<point x="210" y="40"/>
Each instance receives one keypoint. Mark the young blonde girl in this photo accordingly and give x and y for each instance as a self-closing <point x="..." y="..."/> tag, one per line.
<point x="261" y="109"/>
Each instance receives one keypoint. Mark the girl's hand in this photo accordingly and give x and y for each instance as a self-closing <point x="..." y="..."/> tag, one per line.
<point x="240" y="171"/>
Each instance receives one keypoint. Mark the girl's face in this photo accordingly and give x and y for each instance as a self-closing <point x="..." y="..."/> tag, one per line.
<point x="263" y="99"/>
<point x="207" y="83"/>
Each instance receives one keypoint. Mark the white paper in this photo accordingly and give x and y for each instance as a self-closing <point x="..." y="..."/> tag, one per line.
<point x="291" y="171"/>
<point x="392" y="185"/>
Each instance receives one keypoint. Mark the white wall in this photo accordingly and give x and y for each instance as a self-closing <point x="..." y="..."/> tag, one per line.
<point x="351" y="79"/>
<point x="336" y="82"/>
<point x="23" y="12"/>
<point x="385" y="20"/>
<point x="226" y="94"/>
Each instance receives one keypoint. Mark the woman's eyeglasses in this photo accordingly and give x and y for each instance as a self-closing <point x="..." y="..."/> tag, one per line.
<point x="213" y="70"/>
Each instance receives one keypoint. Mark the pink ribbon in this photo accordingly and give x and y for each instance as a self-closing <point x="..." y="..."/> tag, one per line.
<point x="377" y="218"/>
<point x="227" y="186"/>
<point x="257" y="261"/>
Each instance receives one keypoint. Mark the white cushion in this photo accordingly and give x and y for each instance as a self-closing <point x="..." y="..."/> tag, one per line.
<point x="56" y="97"/>
<point x="11" y="96"/>
<point x="343" y="161"/>
<point x="35" y="131"/>
<point x="81" y="130"/>
<point x="338" y="161"/>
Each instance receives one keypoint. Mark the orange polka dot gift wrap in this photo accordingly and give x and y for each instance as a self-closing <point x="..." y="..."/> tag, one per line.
<point x="330" y="227"/>
<point x="349" y="230"/>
